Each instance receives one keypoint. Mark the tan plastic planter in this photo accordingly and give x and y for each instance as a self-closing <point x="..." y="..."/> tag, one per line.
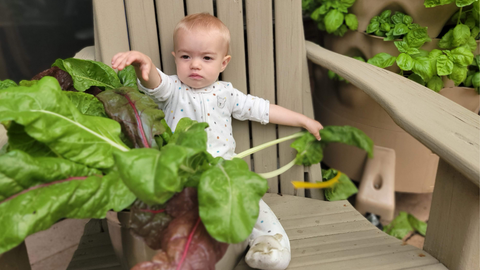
<point x="434" y="18"/>
<point x="131" y="250"/>
<point x="338" y="103"/>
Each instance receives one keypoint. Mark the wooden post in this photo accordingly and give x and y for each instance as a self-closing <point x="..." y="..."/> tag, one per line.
<point x="15" y="259"/>
<point x="453" y="227"/>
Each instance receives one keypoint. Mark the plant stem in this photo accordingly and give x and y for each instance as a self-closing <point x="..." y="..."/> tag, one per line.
<point x="459" y="15"/>
<point x="278" y="171"/>
<point x="268" y="144"/>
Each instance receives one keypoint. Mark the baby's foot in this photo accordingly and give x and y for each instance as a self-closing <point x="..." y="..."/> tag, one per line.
<point x="266" y="252"/>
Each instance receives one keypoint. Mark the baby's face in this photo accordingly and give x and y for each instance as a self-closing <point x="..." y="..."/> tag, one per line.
<point x="200" y="56"/>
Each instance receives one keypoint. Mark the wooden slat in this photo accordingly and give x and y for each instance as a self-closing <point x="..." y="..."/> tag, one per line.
<point x="333" y="236"/>
<point x="3" y="136"/>
<point x="169" y="13"/>
<point x="142" y="29"/>
<point x="453" y="228"/>
<point x="197" y="6"/>
<point x="449" y="130"/>
<point x="111" y="26"/>
<point x="231" y="14"/>
<point x="261" y="74"/>
<point x="288" y="25"/>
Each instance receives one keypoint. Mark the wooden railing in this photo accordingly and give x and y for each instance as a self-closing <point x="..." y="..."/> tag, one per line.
<point x="450" y="131"/>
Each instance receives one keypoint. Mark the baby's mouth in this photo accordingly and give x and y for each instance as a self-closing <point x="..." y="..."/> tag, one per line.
<point x="195" y="76"/>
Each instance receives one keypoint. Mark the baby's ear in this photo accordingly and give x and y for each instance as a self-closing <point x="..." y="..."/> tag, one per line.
<point x="225" y="62"/>
<point x="173" y="53"/>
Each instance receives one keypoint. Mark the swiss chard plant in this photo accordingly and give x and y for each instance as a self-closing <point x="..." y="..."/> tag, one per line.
<point x="331" y="15"/>
<point x="83" y="141"/>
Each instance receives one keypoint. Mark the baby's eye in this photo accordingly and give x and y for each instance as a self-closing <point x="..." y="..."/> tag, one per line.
<point x="184" y="57"/>
<point x="208" y="58"/>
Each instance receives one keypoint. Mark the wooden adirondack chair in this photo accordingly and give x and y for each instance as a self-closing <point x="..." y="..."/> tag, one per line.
<point x="270" y="60"/>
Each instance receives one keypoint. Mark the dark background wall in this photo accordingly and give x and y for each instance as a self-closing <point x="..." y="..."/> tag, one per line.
<point x="33" y="33"/>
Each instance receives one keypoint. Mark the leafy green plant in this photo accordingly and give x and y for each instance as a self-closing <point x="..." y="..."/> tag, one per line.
<point x="473" y="74"/>
<point x="459" y="3"/>
<point x="331" y="15"/>
<point x="403" y="224"/>
<point x="396" y="26"/>
<point x="76" y="148"/>
<point x="419" y="65"/>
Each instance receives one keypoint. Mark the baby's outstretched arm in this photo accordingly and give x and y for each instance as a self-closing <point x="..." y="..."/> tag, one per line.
<point x="144" y="67"/>
<point x="283" y="116"/>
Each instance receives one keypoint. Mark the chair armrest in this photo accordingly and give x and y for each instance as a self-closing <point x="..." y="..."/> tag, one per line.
<point x="449" y="130"/>
<point x="87" y="53"/>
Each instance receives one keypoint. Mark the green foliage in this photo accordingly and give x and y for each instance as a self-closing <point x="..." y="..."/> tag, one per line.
<point x="473" y="74"/>
<point x="459" y="3"/>
<point x="340" y="191"/>
<point x="331" y="15"/>
<point x="7" y="83"/>
<point x="403" y="224"/>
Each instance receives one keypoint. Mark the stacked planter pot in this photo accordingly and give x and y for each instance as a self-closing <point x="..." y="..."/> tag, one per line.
<point x="339" y="103"/>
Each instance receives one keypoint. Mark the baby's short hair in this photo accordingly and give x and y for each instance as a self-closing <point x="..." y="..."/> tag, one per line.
<point x="205" y="21"/>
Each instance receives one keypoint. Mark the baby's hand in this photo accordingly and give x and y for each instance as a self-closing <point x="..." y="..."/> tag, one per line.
<point x="140" y="61"/>
<point x="314" y="127"/>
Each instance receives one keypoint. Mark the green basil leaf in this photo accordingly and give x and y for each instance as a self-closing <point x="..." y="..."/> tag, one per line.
<point x="476" y="81"/>
<point x="389" y="36"/>
<point x="87" y="73"/>
<point x="434" y="3"/>
<point x="435" y="83"/>
<point x="317" y="12"/>
<point x="347" y="3"/>
<point x="446" y="41"/>
<point x="36" y="210"/>
<point x="423" y="66"/>
<point x="333" y="20"/>
<point x="341" y="190"/>
<point x="403" y="47"/>
<point x="341" y="30"/>
<point x="128" y="77"/>
<point x="474" y="32"/>
<point x="331" y="74"/>
<point x="464" y="3"/>
<point x="51" y="118"/>
<point x="413" y="26"/>
<point x="228" y="197"/>
<point x="7" y="83"/>
<point x="87" y="104"/>
<point x="405" y="61"/>
<point x="359" y="58"/>
<point x="351" y="21"/>
<point x="407" y="20"/>
<point x="385" y="27"/>
<point x="397" y="18"/>
<point x="472" y="44"/>
<point x="373" y="27"/>
<point x="461" y="33"/>
<point x="462" y="56"/>
<point x="434" y="54"/>
<point x="416" y="78"/>
<point x="459" y="74"/>
<point x="382" y="60"/>
<point x="400" y="29"/>
<point x="444" y="66"/>
<point x="468" y="80"/>
<point x="385" y="15"/>
<point x="470" y="21"/>
<point x="417" y="37"/>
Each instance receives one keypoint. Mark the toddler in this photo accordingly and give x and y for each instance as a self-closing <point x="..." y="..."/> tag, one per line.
<point x="201" y="43"/>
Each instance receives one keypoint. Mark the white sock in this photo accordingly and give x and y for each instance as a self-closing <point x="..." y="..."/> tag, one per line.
<point x="269" y="243"/>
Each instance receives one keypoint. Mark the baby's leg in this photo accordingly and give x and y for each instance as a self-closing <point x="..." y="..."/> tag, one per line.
<point x="269" y="243"/>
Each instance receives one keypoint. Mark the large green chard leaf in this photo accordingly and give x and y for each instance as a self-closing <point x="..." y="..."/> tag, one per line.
<point x="128" y="77"/>
<point x="347" y="135"/>
<point x="138" y="115"/>
<point x="309" y="150"/>
<point x="7" y="83"/>
<point x="152" y="175"/>
<point x="341" y="190"/>
<point x="51" y="118"/>
<point x="18" y="139"/>
<point x="87" y="104"/>
<point x="19" y="171"/>
<point x="228" y="197"/>
<point x="87" y="73"/>
<point x="41" y="206"/>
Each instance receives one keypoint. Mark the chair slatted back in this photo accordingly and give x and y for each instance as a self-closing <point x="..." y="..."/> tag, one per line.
<point x="268" y="60"/>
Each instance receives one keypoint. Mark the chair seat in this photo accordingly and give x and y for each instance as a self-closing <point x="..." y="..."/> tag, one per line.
<point x="333" y="235"/>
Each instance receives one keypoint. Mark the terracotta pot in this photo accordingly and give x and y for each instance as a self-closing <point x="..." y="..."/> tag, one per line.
<point x="434" y="18"/>
<point x="130" y="249"/>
